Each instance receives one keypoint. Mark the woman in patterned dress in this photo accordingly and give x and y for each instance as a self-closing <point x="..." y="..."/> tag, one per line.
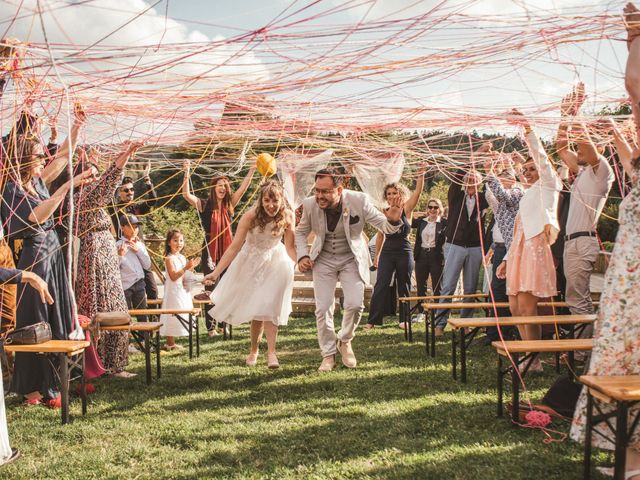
<point x="98" y="283"/>
<point x="616" y="343"/>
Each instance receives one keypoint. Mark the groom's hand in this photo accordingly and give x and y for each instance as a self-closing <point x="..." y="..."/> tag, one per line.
<point x="305" y="264"/>
<point x="394" y="212"/>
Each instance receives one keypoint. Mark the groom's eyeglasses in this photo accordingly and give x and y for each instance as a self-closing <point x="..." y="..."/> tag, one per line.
<point x="323" y="191"/>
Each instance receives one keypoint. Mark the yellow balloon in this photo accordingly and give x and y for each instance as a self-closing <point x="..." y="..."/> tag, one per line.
<point x="266" y="165"/>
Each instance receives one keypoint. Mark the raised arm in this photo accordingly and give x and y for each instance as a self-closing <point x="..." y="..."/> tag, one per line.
<point x="242" y="189"/>
<point x="149" y="198"/>
<point x="569" y="108"/>
<point x="61" y="158"/>
<point x="186" y="188"/>
<point x="413" y="200"/>
<point x="44" y="210"/>
<point x="623" y="149"/>
<point x="230" y="253"/>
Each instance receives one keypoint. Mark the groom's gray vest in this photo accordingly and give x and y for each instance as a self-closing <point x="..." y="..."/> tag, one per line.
<point x="336" y="243"/>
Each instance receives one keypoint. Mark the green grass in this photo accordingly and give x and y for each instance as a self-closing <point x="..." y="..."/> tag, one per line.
<point x="399" y="415"/>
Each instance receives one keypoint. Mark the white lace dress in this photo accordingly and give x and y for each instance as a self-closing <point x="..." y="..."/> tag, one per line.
<point x="258" y="284"/>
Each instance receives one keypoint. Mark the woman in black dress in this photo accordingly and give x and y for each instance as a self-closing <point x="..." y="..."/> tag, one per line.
<point x="27" y="208"/>
<point x="396" y="255"/>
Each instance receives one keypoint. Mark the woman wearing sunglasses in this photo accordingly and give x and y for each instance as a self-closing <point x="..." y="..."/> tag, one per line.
<point x="427" y="252"/>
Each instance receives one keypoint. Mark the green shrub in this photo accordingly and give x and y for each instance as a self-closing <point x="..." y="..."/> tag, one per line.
<point x="160" y="221"/>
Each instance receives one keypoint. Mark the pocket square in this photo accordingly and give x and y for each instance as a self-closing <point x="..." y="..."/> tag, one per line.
<point x="354" y="220"/>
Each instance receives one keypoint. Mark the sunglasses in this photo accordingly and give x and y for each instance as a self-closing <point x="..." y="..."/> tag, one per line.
<point x="433" y="207"/>
<point x="126" y="190"/>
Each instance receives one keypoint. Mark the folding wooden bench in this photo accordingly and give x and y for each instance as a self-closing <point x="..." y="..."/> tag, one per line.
<point x="190" y="323"/>
<point x="202" y="304"/>
<point x="406" y="309"/>
<point x="141" y="333"/>
<point x="70" y="354"/>
<point x="530" y="349"/>
<point x="433" y="307"/>
<point x="624" y="391"/>
<point x="468" y="328"/>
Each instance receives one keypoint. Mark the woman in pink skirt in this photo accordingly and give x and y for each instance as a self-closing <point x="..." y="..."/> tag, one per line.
<point x="528" y="265"/>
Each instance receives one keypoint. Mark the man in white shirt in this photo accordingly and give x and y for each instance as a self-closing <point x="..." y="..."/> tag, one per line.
<point x="134" y="260"/>
<point x="594" y="178"/>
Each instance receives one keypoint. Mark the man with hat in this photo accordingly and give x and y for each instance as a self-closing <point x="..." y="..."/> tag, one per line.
<point x="134" y="260"/>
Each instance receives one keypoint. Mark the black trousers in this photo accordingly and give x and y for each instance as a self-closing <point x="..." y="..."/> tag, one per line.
<point x="429" y="264"/>
<point x="390" y="262"/>
<point x="136" y="297"/>
<point x="150" y="285"/>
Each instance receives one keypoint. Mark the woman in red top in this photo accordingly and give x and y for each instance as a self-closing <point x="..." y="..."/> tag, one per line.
<point x="216" y="212"/>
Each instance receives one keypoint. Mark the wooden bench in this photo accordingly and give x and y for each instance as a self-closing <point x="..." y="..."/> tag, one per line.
<point x="70" y="354"/>
<point x="468" y="328"/>
<point x="624" y="391"/>
<point x="491" y="307"/>
<point x="141" y="333"/>
<point x="406" y="310"/>
<point x="530" y="349"/>
<point x="226" y="329"/>
<point x="191" y="323"/>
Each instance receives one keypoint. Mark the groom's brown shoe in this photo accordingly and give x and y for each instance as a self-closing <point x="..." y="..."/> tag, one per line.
<point x="348" y="357"/>
<point x="328" y="363"/>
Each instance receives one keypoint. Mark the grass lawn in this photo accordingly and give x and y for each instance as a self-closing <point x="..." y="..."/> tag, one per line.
<point x="399" y="415"/>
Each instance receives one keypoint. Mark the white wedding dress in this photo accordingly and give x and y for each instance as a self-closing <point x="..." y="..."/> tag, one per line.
<point x="258" y="284"/>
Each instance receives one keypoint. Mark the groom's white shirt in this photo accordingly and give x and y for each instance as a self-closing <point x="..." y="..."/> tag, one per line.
<point x="357" y="210"/>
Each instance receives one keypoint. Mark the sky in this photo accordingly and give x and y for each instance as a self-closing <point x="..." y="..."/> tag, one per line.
<point x="149" y="66"/>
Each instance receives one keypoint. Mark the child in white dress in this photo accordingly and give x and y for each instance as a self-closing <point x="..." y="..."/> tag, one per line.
<point x="258" y="285"/>
<point x="176" y="296"/>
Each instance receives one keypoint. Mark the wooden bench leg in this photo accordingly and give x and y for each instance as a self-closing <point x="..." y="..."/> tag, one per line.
<point x="427" y="324"/>
<point x="190" y="337"/>
<point x="454" y="360"/>
<point x="63" y="362"/>
<point x="147" y="355"/>
<point x="224" y="330"/>
<point x="621" y="441"/>
<point x="463" y="355"/>
<point x="433" y="333"/>
<point x="515" y="389"/>
<point x="230" y="332"/>
<point x="197" y="322"/>
<point x="500" y="386"/>
<point x="403" y="319"/>
<point x="158" y="372"/>
<point x="83" y="385"/>
<point x="586" y="461"/>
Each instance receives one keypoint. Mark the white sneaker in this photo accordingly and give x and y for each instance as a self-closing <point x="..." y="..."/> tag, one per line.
<point x="419" y="318"/>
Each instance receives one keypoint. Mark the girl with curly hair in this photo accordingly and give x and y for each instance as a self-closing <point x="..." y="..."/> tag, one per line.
<point x="258" y="284"/>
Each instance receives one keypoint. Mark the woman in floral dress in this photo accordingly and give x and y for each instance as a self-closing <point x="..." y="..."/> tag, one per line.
<point x="616" y="343"/>
<point x="98" y="283"/>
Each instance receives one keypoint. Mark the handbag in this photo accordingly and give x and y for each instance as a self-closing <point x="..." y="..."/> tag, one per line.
<point x="30" y="335"/>
<point x="113" y="319"/>
<point x="563" y="396"/>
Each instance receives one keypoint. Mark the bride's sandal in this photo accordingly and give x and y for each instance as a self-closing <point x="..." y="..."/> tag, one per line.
<point x="272" y="361"/>
<point x="252" y="359"/>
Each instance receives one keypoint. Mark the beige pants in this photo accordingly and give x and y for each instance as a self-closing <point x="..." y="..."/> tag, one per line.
<point x="327" y="271"/>
<point x="580" y="255"/>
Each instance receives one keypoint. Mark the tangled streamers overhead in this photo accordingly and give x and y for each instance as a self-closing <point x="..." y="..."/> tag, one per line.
<point x="306" y="77"/>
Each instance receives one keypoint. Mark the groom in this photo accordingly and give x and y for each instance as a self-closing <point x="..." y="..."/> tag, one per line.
<point x="339" y="252"/>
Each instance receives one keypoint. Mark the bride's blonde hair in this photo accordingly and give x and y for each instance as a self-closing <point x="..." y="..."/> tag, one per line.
<point x="273" y="190"/>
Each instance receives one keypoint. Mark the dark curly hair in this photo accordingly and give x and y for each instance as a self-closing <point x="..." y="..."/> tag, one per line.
<point x="271" y="189"/>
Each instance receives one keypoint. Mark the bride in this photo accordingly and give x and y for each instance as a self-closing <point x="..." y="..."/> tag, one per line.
<point x="258" y="285"/>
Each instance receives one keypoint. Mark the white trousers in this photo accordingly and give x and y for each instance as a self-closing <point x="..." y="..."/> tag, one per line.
<point x="327" y="271"/>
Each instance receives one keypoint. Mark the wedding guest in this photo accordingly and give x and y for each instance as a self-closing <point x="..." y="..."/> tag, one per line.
<point x="395" y="256"/>
<point x="216" y="212"/>
<point x="616" y="345"/>
<point x="176" y="295"/>
<point x="134" y="260"/>
<point x="462" y="249"/>
<point x="128" y="204"/>
<point x="528" y="265"/>
<point x="28" y="208"/>
<point x="12" y="276"/>
<point x="98" y="285"/>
